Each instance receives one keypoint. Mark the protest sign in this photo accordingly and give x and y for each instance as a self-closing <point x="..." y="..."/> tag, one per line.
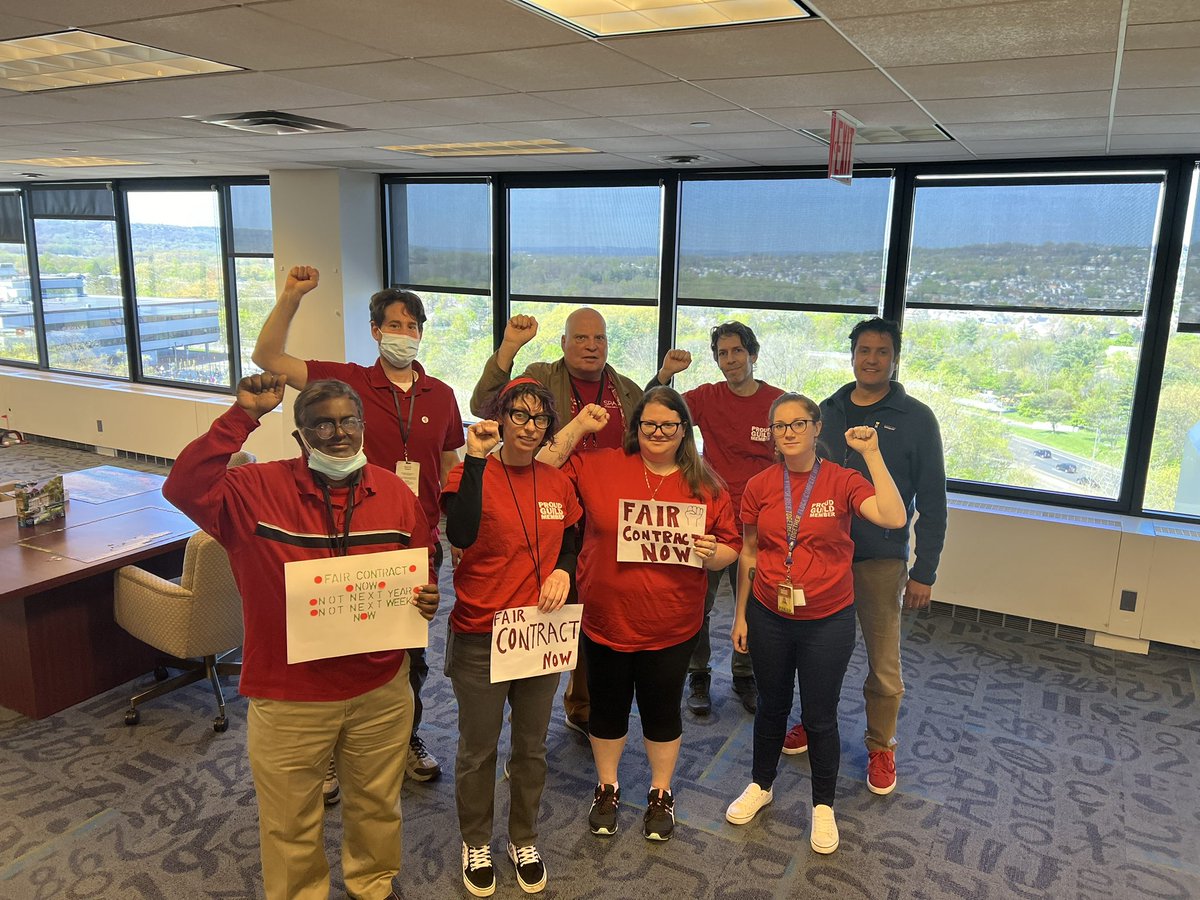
<point x="527" y="642"/>
<point x="657" y="531"/>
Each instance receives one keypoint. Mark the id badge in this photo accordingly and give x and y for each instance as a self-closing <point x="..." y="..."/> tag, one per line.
<point x="784" y="598"/>
<point x="410" y="474"/>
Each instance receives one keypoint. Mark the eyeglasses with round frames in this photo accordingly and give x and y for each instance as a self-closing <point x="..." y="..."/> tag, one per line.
<point x="351" y="425"/>
<point x="667" y="428"/>
<point x="799" y="426"/>
<point x="521" y="417"/>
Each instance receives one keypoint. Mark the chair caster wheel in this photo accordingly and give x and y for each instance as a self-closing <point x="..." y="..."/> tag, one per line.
<point x="132" y="717"/>
<point x="161" y="673"/>
<point x="220" y="724"/>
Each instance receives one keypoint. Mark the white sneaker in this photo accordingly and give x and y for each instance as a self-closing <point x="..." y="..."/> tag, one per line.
<point x="746" y="807"/>
<point x="824" y="833"/>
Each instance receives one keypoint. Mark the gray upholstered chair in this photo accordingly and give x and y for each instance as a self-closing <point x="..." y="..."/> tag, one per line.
<point x="198" y="621"/>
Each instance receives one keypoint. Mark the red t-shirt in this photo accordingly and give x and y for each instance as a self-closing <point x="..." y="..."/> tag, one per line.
<point x="497" y="571"/>
<point x="824" y="553"/>
<point x="736" y="430"/>
<point x="611" y="435"/>
<point x="436" y="423"/>
<point x="637" y="605"/>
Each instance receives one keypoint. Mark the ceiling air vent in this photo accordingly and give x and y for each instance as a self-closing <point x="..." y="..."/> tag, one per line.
<point x="271" y="122"/>
<point x="683" y="159"/>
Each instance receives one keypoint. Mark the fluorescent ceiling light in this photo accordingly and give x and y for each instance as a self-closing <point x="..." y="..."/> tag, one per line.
<point x="605" y="18"/>
<point x="77" y="58"/>
<point x="490" y="148"/>
<point x="70" y="162"/>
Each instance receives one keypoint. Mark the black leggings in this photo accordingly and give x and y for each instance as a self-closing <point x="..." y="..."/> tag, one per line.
<point x="656" y="676"/>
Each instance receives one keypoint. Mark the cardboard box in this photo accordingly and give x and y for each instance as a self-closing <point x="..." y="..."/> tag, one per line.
<point x="40" y="501"/>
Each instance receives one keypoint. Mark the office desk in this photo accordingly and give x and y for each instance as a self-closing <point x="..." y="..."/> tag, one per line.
<point x="59" y="644"/>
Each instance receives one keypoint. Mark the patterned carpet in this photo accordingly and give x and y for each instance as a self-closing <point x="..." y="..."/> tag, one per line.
<point x="1029" y="767"/>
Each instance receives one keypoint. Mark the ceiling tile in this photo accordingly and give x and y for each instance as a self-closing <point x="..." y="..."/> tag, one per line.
<point x="650" y="143"/>
<point x="1001" y="78"/>
<point x="86" y="13"/>
<point x="588" y="65"/>
<point x="842" y="89"/>
<point x="752" y="141"/>
<point x="497" y="108"/>
<point x="1160" y="68"/>
<point x="836" y="10"/>
<point x="779" y="48"/>
<point x="935" y="151"/>
<point x="786" y="156"/>
<point x="1157" y="143"/>
<point x="1155" y="101"/>
<point x="425" y="28"/>
<point x="719" y="120"/>
<point x="579" y="129"/>
<point x="1157" y="124"/>
<point x="406" y="79"/>
<point x="14" y="26"/>
<point x="906" y="113"/>
<point x="637" y="100"/>
<point x="1159" y="37"/>
<point x="1142" y="11"/>
<point x="448" y="134"/>
<point x="1037" y="146"/>
<point x="1016" y="109"/>
<point x="401" y="114"/>
<point x="1038" y="128"/>
<point x="1003" y="31"/>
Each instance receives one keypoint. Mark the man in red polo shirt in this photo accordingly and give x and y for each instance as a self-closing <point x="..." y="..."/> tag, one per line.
<point x="413" y="427"/>
<point x="733" y="416"/>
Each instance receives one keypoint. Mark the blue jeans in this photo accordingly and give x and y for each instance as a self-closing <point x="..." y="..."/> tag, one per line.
<point x="815" y="652"/>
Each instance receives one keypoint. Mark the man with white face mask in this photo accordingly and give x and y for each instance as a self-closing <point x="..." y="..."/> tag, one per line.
<point x="413" y="426"/>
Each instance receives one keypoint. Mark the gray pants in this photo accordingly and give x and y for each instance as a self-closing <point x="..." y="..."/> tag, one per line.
<point x="480" y="720"/>
<point x="739" y="664"/>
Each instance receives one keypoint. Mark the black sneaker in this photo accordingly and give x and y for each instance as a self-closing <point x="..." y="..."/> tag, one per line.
<point x="747" y="691"/>
<point x="531" y="871"/>
<point x="479" y="876"/>
<point x="699" y="701"/>
<point x="603" y="817"/>
<point x="659" y="822"/>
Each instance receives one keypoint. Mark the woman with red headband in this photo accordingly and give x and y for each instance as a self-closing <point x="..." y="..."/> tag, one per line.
<point x="512" y="518"/>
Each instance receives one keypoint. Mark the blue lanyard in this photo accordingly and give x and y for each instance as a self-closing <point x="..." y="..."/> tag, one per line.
<point x="793" y="517"/>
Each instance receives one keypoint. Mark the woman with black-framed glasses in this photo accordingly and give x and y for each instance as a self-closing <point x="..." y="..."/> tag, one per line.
<point x="795" y="597"/>
<point x="656" y="518"/>
<point x="511" y="516"/>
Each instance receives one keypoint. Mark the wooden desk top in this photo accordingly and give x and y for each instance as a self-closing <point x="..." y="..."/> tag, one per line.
<point x="26" y="570"/>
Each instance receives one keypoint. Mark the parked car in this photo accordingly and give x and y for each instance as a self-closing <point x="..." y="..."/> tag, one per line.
<point x="1069" y="468"/>
<point x="1042" y="453"/>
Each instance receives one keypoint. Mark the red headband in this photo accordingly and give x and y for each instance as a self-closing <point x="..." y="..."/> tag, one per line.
<point x="517" y="382"/>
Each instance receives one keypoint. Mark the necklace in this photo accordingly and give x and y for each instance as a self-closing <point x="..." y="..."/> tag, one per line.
<point x="661" y="479"/>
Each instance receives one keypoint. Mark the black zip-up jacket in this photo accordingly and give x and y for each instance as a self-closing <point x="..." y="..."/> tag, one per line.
<point x="911" y="444"/>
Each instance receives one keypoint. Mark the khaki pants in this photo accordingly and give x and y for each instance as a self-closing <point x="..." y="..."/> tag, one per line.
<point x="289" y="745"/>
<point x="878" y="585"/>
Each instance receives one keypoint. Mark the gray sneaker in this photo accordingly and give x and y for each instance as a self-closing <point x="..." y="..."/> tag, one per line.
<point x="422" y="765"/>
<point x="332" y="790"/>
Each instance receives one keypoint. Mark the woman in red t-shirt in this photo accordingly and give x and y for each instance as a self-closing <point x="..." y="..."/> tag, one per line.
<point x="512" y="517"/>
<point x="656" y="518"/>
<point x="796" y="562"/>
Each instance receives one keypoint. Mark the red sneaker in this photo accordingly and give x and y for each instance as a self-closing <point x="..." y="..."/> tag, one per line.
<point x="796" y="741"/>
<point x="881" y="771"/>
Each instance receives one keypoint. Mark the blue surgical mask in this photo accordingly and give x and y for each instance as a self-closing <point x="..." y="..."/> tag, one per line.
<point x="334" y="468"/>
<point x="399" y="349"/>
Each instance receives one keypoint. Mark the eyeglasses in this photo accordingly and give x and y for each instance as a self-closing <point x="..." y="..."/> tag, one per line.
<point x="799" y="426"/>
<point x="351" y="425"/>
<point x="667" y="428"/>
<point x="520" y="417"/>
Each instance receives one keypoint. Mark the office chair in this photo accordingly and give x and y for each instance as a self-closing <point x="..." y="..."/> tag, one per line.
<point x="201" y="616"/>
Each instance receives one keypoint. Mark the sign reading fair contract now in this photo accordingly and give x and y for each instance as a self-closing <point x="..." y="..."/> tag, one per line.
<point x="355" y="604"/>
<point x="528" y="642"/>
<point x="654" y="531"/>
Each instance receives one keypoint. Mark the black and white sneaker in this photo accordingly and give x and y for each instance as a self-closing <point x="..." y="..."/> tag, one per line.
<point x="658" y="824"/>
<point x="331" y="790"/>
<point x="479" y="876"/>
<point x="421" y="764"/>
<point x="531" y="871"/>
<point x="603" y="817"/>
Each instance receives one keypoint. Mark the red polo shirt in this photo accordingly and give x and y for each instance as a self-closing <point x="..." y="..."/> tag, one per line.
<point x="436" y="424"/>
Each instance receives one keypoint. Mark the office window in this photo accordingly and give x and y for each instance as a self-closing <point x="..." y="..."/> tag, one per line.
<point x="784" y="241"/>
<point x="1173" y="480"/>
<point x="80" y="279"/>
<point x="251" y="245"/>
<point x="440" y="246"/>
<point x="1024" y="324"/>
<point x="179" y="286"/>
<point x="18" y="338"/>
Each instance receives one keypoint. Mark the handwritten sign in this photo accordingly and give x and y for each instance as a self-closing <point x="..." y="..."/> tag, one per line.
<point x="527" y="642"/>
<point x="654" y="531"/>
<point x="841" y="147"/>
<point x="355" y="604"/>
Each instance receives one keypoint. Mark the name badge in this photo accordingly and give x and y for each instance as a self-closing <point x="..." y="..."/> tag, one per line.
<point x="410" y="474"/>
<point x="787" y="597"/>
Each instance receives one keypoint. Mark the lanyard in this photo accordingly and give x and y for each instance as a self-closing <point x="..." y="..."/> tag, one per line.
<point x="537" y="538"/>
<point x="793" y="517"/>
<point x="339" y="547"/>
<point x="599" y="401"/>
<point x="405" y="430"/>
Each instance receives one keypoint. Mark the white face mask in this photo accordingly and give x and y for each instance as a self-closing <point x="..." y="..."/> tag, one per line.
<point x="334" y="468"/>
<point x="398" y="349"/>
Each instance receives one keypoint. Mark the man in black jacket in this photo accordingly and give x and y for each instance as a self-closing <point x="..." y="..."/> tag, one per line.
<point x="911" y="444"/>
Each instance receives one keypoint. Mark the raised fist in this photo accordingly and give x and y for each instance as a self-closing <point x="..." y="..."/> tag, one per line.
<point x="675" y="362"/>
<point x="482" y="437"/>
<point x="592" y="418"/>
<point x="259" y="394"/>
<point x="520" y="330"/>
<point x="301" y="280"/>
